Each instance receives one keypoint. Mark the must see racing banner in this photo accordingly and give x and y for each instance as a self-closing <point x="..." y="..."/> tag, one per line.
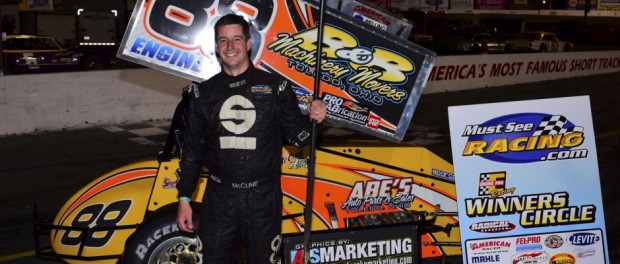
<point x="527" y="182"/>
<point x="371" y="80"/>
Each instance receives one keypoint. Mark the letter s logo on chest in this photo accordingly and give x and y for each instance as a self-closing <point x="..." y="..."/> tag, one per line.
<point x="237" y="115"/>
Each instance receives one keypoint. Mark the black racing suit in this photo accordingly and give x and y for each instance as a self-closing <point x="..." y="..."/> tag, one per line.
<point x="235" y="126"/>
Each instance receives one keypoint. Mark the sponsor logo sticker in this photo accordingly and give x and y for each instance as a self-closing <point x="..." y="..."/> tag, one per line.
<point x="527" y="240"/>
<point x="584" y="252"/>
<point x="488" y="247"/>
<point x="261" y="89"/>
<point x="168" y="183"/>
<point x="485" y="259"/>
<point x="525" y="138"/>
<point x="562" y="258"/>
<point x="530" y="247"/>
<point x="583" y="239"/>
<point x="554" y="241"/>
<point x="493" y="184"/>
<point x="533" y="257"/>
<point x="303" y="97"/>
<point x="380" y="195"/>
<point x="443" y="174"/>
<point x="345" y="109"/>
<point x="492" y="226"/>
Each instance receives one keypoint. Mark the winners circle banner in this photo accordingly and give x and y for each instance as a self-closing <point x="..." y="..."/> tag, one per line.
<point x="527" y="182"/>
<point x="371" y="80"/>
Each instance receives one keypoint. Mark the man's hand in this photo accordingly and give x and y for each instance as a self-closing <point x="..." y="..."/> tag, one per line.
<point x="317" y="110"/>
<point x="184" y="217"/>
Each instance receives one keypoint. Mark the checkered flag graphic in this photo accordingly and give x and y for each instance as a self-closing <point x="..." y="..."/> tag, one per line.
<point x="484" y="190"/>
<point x="552" y="125"/>
<point x="491" y="182"/>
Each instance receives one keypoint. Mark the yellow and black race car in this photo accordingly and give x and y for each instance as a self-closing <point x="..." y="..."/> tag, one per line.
<point x="129" y="214"/>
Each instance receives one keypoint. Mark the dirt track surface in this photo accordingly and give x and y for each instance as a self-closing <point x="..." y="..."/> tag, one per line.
<point x="47" y="168"/>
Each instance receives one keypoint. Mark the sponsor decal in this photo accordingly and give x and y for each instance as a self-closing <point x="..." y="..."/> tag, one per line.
<point x="370" y="21"/>
<point x="239" y="84"/>
<point x="167" y="54"/>
<point x="533" y="257"/>
<point x="373" y="121"/>
<point x="525" y="138"/>
<point x="486" y="245"/>
<point x="492" y="226"/>
<point x="530" y="243"/>
<point x="527" y="240"/>
<point x="143" y="248"/>
<point x="261" y="89"/>
<point x="485" y="259"/>
<point x="369" y="74"/>
<point x="530" y="247"/>
<point x="296" y="163"/>
<point x="562" y="258"/>
<point x="397" y="250"/>
<point x="345" y="109"/>
<point x="354" y="106"/>
<point x="442" y="174"/>
<point x="584" y="252"/>
<point x="303" y="97"/>
<point x="489" y="247"/>
<point x="554" y="241"/>
<point x="493" y="184"/>
<point x="372" y="14"/>
<point x="303" y="135"/>
<point x="380" y="195"/>
<point x="583" y="239"/>
<point x="168" y="183"/>
<point x="536" y="210"/>
<point x="237" y="116"/>
<point x="215" y="178"/>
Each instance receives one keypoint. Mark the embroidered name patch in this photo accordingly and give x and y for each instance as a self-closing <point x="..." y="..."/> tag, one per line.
<point x="261" y="89"/>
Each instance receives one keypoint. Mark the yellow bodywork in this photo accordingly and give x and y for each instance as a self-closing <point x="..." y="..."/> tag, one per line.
<point x="122" y="199"/>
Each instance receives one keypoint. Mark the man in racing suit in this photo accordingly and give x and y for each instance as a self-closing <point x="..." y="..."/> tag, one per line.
<point x="236" y="122"/>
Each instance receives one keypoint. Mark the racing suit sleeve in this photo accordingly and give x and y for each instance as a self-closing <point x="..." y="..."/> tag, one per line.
<point x="191" y="162"/>
<point x="296" y="127"/>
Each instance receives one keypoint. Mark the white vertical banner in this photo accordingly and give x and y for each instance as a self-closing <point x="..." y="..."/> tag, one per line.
<point x="527" y="179"/>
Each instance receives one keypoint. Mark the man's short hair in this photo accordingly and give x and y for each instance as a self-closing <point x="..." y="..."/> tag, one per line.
<point x="232" y="19"/>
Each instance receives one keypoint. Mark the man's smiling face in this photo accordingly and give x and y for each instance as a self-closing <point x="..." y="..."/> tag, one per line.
<point x="233" y="47"/>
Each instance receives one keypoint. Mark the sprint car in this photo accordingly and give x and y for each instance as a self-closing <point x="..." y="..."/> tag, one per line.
<point x="128" y="215"/>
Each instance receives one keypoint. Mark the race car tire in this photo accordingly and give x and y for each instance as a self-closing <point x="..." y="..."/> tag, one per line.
<point x="161" y="241"/>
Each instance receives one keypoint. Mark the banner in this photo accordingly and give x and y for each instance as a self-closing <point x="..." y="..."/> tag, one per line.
<point x="387" y="244"/>
<point x="527" y="182"/>
<point x="371" y="80"/>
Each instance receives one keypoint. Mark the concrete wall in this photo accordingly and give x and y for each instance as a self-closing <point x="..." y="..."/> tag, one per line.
<point x="40" y="102"/>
